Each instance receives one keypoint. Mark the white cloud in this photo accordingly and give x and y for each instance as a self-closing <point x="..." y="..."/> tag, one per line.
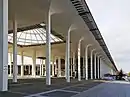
<point x="112" y="18"/>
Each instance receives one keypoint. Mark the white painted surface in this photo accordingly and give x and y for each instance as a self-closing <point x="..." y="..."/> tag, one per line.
<point x="67" y="60"/>
<point x="98" y="59"/>
<point x="86" y="63"/>
<point x="59" y="67"/>
<point x="34" y="64"/>
<point x="91" y="63"/>
<point x="104" y="68"/>
<point x="11" y="59"/>
<point x="15" y="67"/>
<point x="95" y="63"/>
<point x="53" y="66"/>
<point x="22" y="65"/>
<point x="74" y="62"/>
<point x="84" y="70"/>
<point x="48" y="49"/>
<point x="3" y="45"/>
<point x="79" y="57"/>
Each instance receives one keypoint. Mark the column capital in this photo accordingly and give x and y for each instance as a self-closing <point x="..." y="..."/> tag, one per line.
<point x="82" y="38"/>
<point x="93" y="50"/>
<point x="89" y="45"/>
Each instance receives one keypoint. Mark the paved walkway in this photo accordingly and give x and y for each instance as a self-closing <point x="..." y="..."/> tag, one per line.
<point x="59" y="88"/>
<point x="67" y="91"/>
<point x="37" y="88"/>
<point x="109" y="89"/>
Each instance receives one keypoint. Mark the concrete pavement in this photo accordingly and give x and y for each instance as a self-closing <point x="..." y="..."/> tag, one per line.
<point x="59" y="88"/>
<point x="108" y="89"/>
<point x="37" y="87"/>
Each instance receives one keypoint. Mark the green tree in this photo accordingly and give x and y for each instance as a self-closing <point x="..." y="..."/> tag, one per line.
<point x="120" y="74"/>
<point x="129" y="74"/>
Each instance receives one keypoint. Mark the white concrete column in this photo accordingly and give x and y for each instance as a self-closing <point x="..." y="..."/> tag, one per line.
<point x="79" y="56"/>
<point x="71" y="66"/>
<point x="95" y="65"/>
<point x="73" y="62"/>
<point x="15" y="71"/>
<point x="48" y="49"/>
<point x="84" y="67"/>
<point x="92" y="63"/>
<point x="86" y="61"/>
<point x="53" y="66"/>
<point x="22" y="65"/>
<point x="29" y="69"/>
<point x="34" y="64"/>
<point x="3" y="45"/>
<point x="79" y="72"/>
<point x="11" y="60"/>
<point x="74" y="65"/>
<point x="98" y="62"/>
<point x="99" y="67"/>
<point x="45" y="70"/>
<point x="67" y="61"/>
<point x="59" y="67"/>
<point x="40" y="67"/>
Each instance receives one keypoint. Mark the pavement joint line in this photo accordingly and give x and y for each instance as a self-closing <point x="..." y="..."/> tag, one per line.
<point x="19" y="93"/>
<point x="51" y="90"/>
<point x="40" y="93"/>
<point x="75" y="85"/>
<point x="68" y="91"/>
<point x="36" y="96"/>
<point x="57" y="89"/>
<point x="20" y="84"/>
<point x="90" y="89"/>
<point x="97" y="86"/>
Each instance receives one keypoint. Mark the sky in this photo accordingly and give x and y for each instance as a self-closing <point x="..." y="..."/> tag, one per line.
<point x="113" y="20"/>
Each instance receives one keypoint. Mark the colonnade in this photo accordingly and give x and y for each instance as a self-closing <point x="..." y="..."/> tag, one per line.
<point x="4" y="53"/>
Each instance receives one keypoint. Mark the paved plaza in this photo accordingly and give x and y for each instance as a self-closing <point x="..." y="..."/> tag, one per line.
<point x="108" y="89"/>
<point x="59" y="87"/>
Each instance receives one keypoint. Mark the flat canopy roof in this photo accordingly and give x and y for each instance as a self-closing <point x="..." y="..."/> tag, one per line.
<point x="65" y="14"/>
<point x="86" y="15"/>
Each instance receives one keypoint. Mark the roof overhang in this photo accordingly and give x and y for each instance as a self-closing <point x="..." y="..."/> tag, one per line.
<point x="86" y="15"/>
<point x="76" y="10"/>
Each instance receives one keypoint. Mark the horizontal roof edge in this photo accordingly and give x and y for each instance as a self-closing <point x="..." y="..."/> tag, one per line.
<point x="86" y="12"/>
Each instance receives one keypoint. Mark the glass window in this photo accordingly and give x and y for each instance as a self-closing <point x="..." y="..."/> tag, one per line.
<point x="31" y="37"/>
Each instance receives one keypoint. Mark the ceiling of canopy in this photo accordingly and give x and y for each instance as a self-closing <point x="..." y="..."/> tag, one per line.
<point x="33" y="37"/>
